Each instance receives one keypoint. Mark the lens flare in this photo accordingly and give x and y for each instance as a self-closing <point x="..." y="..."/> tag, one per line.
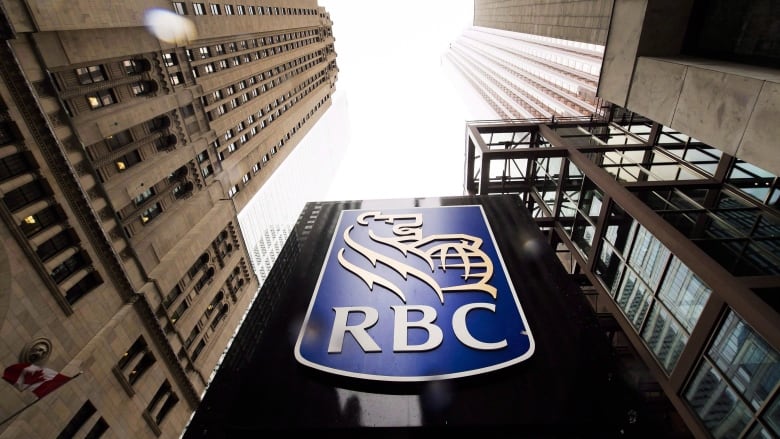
<point x="169" y="27"/>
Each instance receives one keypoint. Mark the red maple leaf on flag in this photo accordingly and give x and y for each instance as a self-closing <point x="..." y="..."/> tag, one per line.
<point x="40" y="380"/>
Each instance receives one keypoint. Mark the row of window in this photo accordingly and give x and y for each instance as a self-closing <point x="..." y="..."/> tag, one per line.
<point x="296" y="67"/>
<point x="199" y="274"/>
<point x="235" y="189"/>
<point x="220" y="49"/>
<point x="233" y="103"/>
<point x="245" y="134"/>
<point x="733" y="389"/>
<point x="245" y="131"/>
<point x="61" y="253"/>
<point x="248" y="57"/>
<point x="132" y="365"/>
<point x="123" y="150"/>
<point x="229" y="9"/>
<point x="97" y="73"/>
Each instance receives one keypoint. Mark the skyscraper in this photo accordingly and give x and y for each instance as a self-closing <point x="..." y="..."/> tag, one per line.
<point x="666" y="210"/>
<point x="525" y="76"/>
<point x="132" y="136"/>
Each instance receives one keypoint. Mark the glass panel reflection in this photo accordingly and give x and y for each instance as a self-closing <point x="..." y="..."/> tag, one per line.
<point x="664" y="337"/>
<point x="716" y="404"/>
<point x="735" y="380"/>
<point x="683" y="292"/>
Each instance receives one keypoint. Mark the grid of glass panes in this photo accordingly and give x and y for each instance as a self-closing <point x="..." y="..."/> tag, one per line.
<point x="545" y="184"/>
<point x="756" y="182"/>
<point x="742" y="237"/>
<point x="580" y="208"/>
<point x="648" y="164"/>
<point x="660" y="296"/>
<point x="694" y="153"/>
<point x="596" y="134"/>
<point x="734" y="388"/>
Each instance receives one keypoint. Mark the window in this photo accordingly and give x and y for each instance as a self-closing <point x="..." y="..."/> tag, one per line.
<point x="180" y="310"/>
<point x="228" y="9"/>
<point x="131" y="67"/>
<point x="232" y="191"/>
<point x="240" y="9"/>
<point x="172" y="296"/>
<point x="735" y="381"/>
<point x="256" y="168"/>
<point x="203" y="156"/>
<point x="49" y="216"/>
<point x="56" y="244"/>
<point x="223" y="64"/>
<point x="204" y="52"/>
<point x="139" y="88"/>
<point x="251" y="10"/>
<point x="135" y="361"/>
<point x="24" y="195"/>
<point x="177" y="79"/>
<point x="215" y="10"/>
<point x="220" y="316"/>
<point x="69" y="266"/>
<point x="170" y="59"/>
<point x="219" y="49"/>
<point x="199" y="8"/>
<point x="91" y="74"/>
<point x="128" y="160"/>
<point x="13" y="165"/>
<point x="88" y="283"/>
<point x="143" y="196"/>
<point x="191" y="338"/>
<point x="187" y="110"/>
<point x="102" y="98"/>
<point x="151" y="213"/>
<point x="118" y="140"/>
<point x="208" y="68"/>
<point x="245" y="179"/>
<point x="79" y="422"/>
<point x="198" y="349"/>
<point x="179" y="8"/>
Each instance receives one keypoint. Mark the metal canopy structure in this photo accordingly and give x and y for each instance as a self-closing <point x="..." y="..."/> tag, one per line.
<point x="675" y="243"/>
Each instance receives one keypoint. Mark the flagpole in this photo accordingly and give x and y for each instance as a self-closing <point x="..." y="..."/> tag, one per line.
<point x="20" y="410"/>
<point x="29" y="405"/>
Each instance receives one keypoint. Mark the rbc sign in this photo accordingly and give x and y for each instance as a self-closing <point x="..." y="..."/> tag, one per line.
<point x="413" y="295"/>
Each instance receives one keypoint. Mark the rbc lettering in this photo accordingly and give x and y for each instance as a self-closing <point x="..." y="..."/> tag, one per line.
<point x="401" y="326"/>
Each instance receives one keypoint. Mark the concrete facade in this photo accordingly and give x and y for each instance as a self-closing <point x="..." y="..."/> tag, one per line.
<point x="126" y="158"/>
<point x="586" y="21"/>
<point x="726" y="104"/>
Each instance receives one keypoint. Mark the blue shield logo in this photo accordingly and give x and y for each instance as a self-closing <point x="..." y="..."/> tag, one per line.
<point x="413" y="294"/>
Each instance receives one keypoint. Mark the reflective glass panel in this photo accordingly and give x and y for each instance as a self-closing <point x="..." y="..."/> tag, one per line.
<point x="749" y="362"/>
<point x="664" y="336"/>
<point x="717" y="405"/>
<point x="684" y="293"/>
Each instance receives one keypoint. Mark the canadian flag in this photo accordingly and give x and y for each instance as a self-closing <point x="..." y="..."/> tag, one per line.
<point x="40" y="380"/>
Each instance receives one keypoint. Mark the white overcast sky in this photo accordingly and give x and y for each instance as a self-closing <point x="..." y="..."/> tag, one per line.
<point x="406" y="121"/>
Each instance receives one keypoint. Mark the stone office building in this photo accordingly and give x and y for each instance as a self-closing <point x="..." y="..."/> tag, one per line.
<point x="125" y="157"/>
